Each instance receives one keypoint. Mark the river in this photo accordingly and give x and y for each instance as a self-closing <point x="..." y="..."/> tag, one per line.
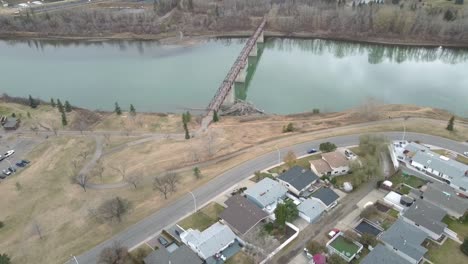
<point x="288" y="76"/>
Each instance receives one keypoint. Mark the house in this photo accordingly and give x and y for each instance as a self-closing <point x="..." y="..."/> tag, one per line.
<point x="241" y="214"/>
<point x="437" y="166"/>
<point x="383" y="255"/>
<point x="332" y="164"/>
<point x="297" y="179"/>
<point x="181" y="255"/>
<point x="443" y="196"/>
<point x="427" y="218"/>
<point x="326" y="196"/>
<point x="405" y="240"/>
<point x="11" y="123"/>
<point x="266" y="194"/>
<point x="311" y="209"/>
<point x="211" y="241"/>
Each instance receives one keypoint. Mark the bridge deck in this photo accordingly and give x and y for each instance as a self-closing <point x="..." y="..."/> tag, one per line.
<point x="236" y="68"/>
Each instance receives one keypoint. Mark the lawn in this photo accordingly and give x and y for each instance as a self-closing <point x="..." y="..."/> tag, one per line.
<point x="449" y="252"/>
<point x="261" y="176"/>
<point x="410" y="180"/>
<point x="344" y="178"/>
<point x="393" y="213"/>
<point x="303" y="162"/>
<point x="240" y="258"/>
<point x="457" y="226"/>
<point x="204" y="218"/>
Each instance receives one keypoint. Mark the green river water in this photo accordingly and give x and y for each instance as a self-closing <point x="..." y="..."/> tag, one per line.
<point x="288" y="76"/>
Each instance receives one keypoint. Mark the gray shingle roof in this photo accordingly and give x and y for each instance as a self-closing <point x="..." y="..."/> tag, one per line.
<point x="383" y="255"/>
<point x="454" y="169"/>
<point x="266" y="191"/>
<point x="427" y="215"/>
<point x="326" y="195"/>
<point x="182" y="255"/>
<point x="442" y="195"/>
<point x="298" y="177"/>
<point x="311" y="208"/>
<point x="11" y="122"/>
<point x="406" y="238"/>
<point x="242" y="214"/>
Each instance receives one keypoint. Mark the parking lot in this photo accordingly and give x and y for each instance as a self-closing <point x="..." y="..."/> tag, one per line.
<point x="22" y="145"/>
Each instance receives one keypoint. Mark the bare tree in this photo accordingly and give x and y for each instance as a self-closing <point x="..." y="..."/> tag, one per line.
<point x="82" y="180"/>
<point x="116" y="254"/>
<point x="34" y="128"/>
<point x="113" y="210"/>
<point x="37" y="230"/>
<point x="133" y="180"/>
<point x="161" y="185"/>
<point x="121" y="169"/>
<point x="172" y="179"/>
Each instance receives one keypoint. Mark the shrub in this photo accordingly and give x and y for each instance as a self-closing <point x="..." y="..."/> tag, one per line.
<point x="315" y="111"/>
<point x="1" y="224"/>
<point x="464" y="246"/>
<point x="327" y="147"/>
<point x="288" y="128"/>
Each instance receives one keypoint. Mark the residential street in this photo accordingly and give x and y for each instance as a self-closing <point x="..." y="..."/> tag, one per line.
<point x="151" y="225"/>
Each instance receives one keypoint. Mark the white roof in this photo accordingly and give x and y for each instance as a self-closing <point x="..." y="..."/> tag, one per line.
<point x="210" y="241"/>
<point x="266" y="191"/>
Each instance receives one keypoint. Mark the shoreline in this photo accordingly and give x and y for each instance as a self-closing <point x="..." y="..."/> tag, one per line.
<point x="174" y="39"/>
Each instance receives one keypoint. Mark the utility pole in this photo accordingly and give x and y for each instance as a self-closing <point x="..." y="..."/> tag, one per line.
<point x="279" y="154"/>
<point x="194" y="201"/>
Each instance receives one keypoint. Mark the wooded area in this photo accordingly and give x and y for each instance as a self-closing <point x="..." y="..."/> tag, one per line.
<point x="395" y="21"/>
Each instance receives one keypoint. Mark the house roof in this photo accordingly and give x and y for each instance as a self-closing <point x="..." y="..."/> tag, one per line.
<point x="326" y="195"/>
<point x="383" y="255"/>
<point x="456" y="171"/>
<point x="182" y="255"/>
<point x="414" y="147"/>
<point x="335" y="159"/>
<point x="442" y="195"/>
<point x="211" y="240"/>
<point x="298" y="177"/>
<point x="427" y="215"/>
<point x="321" y="166"/>
<point x="311" y="208"/>
<point x="242" y="214"/>
<point x="405" y="238"/>
<point x="266" y="191"/>
<point x="11" y="122"/>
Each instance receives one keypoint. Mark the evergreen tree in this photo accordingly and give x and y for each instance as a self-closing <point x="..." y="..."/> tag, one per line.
<point x="132" y="110"/>
<point x="52" y="102"/>
<point x="60" y="106"/>
<point x="464" y="246"/>
<point x="13" y="115"/>
<point x="197" y="172"/>
<point x="68" y="107"/>
<point x="4" y="259"/>
<point x="64" y="119"/>
<point x="117" y="109"/>
<point x="187" y="135"/>
<point x="32" y="102"/>
<point x="450" y="123"/>
<point x="215" y="116"/>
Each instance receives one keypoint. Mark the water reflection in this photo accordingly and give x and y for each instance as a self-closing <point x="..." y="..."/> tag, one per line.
<point x="376" y="53"/>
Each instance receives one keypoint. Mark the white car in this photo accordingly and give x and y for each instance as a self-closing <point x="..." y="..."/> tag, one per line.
<point x="9" y="153"/>
<point x="6" y="172"/>
<point x="465" y="153"/>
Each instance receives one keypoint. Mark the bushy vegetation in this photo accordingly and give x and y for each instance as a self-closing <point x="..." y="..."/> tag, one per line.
<point x="409" y="21"/>
<point x="327" y="147"/>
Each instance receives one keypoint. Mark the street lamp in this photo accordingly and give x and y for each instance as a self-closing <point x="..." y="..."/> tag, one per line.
<point x="279" y="154"/>
<point x="404" y="129"/>
<point x="194" y="201"/>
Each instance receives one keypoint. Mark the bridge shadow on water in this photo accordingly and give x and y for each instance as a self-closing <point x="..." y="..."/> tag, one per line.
<point x="241" y="88"/>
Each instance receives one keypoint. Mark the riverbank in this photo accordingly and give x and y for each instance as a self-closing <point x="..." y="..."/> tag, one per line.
<point x="195" y="38"/>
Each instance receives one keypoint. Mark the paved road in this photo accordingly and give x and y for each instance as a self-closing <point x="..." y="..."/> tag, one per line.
<point x="140" y="231"/>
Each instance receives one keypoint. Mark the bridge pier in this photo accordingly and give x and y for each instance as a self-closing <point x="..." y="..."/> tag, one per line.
<point x="242" y="73"/>
<point x="253" y="52"/>
<point x="261" y="38"/>
<point x="231" y="96"/>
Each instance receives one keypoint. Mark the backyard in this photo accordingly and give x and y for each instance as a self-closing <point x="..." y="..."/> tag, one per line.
<point x="410" y="180"/>
<point x="345" y="246"/>
<point x="449" y="252"/>
<point x="460" y="227"/>
<point x="240" y="258"/>
<point x="203" y="218"/>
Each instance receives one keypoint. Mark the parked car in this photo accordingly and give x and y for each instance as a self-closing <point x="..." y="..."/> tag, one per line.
<point x="20" y="164"/>
<point x="6" y="172"/>
<point x="9" y="153"/>
<point x="2" y="176"/>
<point x="311" y="151"/>
<point x="25" y="161"/>
<point x="465" y="153"/>
<point x="2" y="157"/>
<point x="11" y="169"/>
<point x="333" y="232"/>
<point x="163" y="241"/>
